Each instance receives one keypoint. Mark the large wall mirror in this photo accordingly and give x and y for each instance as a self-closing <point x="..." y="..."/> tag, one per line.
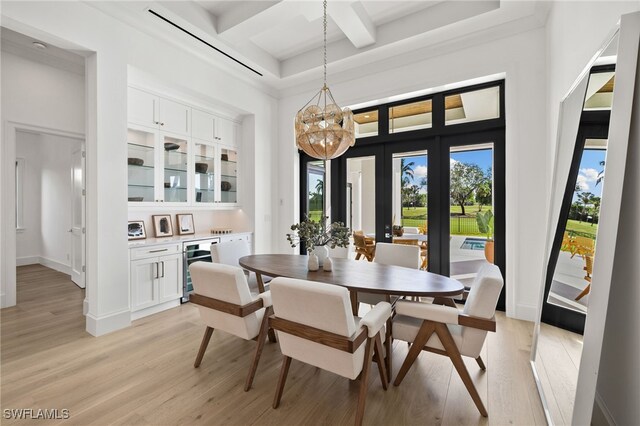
<point x="593" y="134"/>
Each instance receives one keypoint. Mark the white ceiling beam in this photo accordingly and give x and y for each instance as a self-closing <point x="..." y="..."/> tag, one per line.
<point x="237" y="15"/>
<point x="355" y="23"/>
<point x="243" y="27"/>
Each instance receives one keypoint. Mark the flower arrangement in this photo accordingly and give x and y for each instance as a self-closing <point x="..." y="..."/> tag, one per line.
<point x="315" y="234"/>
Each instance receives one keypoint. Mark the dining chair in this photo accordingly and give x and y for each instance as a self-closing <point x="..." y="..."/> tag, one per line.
<point x="229" y="253"/>
<point x="424" y="249"/>
<point x="222" y="295"/>
<point x="582" y="246"/>
<point x="411" y="230"/>
<point x="315" y="325"/>
<point x="407" y="256"/>
<point x="365" y="246"/>
<point x="588" y="267"/>
<point x="445" y="330"/>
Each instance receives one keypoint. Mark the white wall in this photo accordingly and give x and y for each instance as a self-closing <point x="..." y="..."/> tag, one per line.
<point x="47" y="200"/>
<point x="111" y="46"/>
<point x="522" y="60"/>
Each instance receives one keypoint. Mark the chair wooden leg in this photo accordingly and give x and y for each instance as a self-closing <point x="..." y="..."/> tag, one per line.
<point x="426" y="330"/>
<point x="388" y="345"/>
<point x="286" y="362"/>
<point x="272" y="335"/>
<point x="586" y="291"/>
<point x="381" y="361"/>
<point x="480" y="363"/>
<point x="203" y="346"/>
<point x="358" y="256"/>
<point x="364" y="381"/>
<point x="454" y="354"/>
<point x="262" y="335"/>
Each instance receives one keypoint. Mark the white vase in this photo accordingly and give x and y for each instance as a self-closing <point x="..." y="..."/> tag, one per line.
<point x="312" y="263"/>
<point x="328" y="264"/>
<point x="322" y="252"/>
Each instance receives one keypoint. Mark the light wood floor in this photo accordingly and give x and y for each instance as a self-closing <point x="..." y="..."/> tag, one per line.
<point x="144" y="374"/>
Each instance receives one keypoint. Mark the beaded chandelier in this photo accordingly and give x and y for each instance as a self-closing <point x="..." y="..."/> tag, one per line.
<point x="323" y="129"/>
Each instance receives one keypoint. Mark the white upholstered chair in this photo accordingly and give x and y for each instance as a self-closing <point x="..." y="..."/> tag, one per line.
<point x="315" y="325"/>
<point x="229" y="253"/>
<point x="447" y="331"/>
<point x="225" y="303"/>
<point x="407" y="256"/>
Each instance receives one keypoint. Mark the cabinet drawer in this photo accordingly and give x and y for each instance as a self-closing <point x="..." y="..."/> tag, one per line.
<point x="154" y="251"/>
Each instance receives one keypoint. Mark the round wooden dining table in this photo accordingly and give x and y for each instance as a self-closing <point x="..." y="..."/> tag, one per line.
<point x="355" y="275"/>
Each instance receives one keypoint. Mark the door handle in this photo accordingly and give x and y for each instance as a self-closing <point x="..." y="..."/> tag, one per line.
<point x="70" y="230"/>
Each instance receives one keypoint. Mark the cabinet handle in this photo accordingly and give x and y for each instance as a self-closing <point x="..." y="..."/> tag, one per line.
<point x="162" y="269"/>
<point x="162" y="124"/>
<point x="158" y="251"/>
<point x="157" y="271"/>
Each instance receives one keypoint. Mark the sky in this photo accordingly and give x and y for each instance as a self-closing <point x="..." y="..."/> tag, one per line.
<point x="589" y="169"/>
<point x="482" y="157"/>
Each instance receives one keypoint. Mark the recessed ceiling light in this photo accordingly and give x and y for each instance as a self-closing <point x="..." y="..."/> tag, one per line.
<point x="39" y="45"/>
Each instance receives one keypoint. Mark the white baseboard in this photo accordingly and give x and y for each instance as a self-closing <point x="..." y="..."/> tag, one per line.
<point x="55" y="265"/>
<point x="99" y="326"/>
<point x="154" y="309"/>
<point x="85" y="307"/>
<point x="526" y="312"/>
<point x="601" y="415"/>
<point x="49" y="263"/>
<point x="27" y="260"/>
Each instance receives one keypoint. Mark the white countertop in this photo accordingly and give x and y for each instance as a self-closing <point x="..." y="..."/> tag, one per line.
<point x="148" y="242"/>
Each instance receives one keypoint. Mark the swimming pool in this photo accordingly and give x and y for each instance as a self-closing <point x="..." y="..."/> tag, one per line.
<point x="473" y="244"/>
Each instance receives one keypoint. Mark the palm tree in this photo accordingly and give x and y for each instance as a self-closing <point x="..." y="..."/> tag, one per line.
<point x="601" y="174"/>
<point x="406" y="171"/>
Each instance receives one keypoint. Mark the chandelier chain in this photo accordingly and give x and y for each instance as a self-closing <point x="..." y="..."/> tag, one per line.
<point x="324" y="23"/>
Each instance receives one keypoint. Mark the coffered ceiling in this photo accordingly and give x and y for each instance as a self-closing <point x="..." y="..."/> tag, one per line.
<point x="282" y="40"/>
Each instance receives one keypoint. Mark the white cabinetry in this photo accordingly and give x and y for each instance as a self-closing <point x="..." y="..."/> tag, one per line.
<point x="211" y="128"/>
<point x="179" y="154"/>
<point x="150" y="110"/>
<point x="155" y="278"/>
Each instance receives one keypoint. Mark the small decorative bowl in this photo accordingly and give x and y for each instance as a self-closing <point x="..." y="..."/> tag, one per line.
<point x="225" y="186"/>
<point x="224" y="157"/>
<point x="170" y="146"/>
<point x="136" y="198"/>
<point x="201" y="167"/>
<point x="135" y="161"/>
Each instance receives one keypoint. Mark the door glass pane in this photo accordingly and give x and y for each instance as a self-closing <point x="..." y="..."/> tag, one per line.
<point x="141" y="159"/>
<point x="471" y="201"/>
<point x="361" y="213"/>
<point x="572" y="277"/>
<point x="228" y="175"/>
<point x="204" y="178"/>
<point x="315" y="189"/>
<point x="175" y="169"/>
<point x="366" y="123"/>
<point x="477" y="105"/>
<point x="409" y="199"/>
<point x="413" y="116"/>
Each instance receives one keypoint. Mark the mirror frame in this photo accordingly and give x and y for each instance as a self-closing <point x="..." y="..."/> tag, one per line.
<point x="628" y="32"/>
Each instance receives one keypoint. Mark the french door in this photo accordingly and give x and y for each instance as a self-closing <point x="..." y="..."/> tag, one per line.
<point x="411" y="183"/>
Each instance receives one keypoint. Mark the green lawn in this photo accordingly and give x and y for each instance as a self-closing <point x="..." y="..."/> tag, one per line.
<point x="582" y="228"/>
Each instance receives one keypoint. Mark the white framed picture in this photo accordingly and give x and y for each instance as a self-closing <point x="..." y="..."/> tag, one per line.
<point x="185" y="224"/>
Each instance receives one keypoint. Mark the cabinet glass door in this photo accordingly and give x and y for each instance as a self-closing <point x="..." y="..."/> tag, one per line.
<point x="204" y="178"/>
<point x="228" y="175"/>
<point x="141" y="161"/>
<point x="175" y="161"/>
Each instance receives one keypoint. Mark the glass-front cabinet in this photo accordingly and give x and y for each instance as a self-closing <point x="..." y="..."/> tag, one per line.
<point x="228" y="175"/>
<point x="205" y="173"/>
<point x="158" y="166"/>
<point x="175" y="153"/>
<point x="141" y="149"/>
